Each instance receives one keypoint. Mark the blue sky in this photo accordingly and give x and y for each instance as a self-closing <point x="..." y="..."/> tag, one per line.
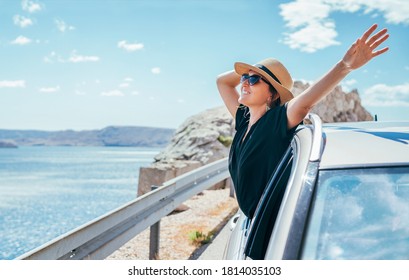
<point x="90" y="64"/>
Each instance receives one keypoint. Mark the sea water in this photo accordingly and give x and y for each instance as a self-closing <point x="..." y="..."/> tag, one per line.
<point x="48" y="191"/>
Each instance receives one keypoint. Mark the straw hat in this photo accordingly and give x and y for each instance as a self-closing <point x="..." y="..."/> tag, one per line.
<point x="274" y="72"/>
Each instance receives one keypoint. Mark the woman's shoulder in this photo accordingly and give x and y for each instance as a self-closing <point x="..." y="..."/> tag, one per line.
<point x="276" y="117"/>
<point x="278" y="109"/>
<point x="242" y="116"/>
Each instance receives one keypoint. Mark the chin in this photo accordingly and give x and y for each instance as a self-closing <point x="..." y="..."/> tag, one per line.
<point x="243" y="101"/>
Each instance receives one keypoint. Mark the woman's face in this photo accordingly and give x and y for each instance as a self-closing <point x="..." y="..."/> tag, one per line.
<point x="256" y="95"/>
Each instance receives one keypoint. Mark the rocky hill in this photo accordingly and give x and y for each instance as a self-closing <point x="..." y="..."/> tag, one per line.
<point x="207" y="136"/>
<point x="338" y="106"/>
<point x="204" y="137"/>
<point x="123" y="136"/>
<point x="7" y="144"/>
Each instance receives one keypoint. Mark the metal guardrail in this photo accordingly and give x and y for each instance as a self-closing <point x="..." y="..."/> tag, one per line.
<point x="104" y="235"/>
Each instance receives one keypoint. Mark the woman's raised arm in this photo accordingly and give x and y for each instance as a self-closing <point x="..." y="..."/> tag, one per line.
<point x="227" y="83"/>
<point x="361" y="52"/>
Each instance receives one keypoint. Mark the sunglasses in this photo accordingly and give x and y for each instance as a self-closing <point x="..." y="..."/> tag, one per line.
<point x="253" y="79"/>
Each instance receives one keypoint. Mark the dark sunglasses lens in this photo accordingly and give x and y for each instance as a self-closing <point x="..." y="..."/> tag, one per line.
<point x="254" y="79"/>
<point x="244" y="77"/>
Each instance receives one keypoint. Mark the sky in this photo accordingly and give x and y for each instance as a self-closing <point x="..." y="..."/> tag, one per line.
<point x="88" y="64"/>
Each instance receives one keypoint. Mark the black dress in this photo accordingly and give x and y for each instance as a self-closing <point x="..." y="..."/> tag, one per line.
<point x="253" y="160"/>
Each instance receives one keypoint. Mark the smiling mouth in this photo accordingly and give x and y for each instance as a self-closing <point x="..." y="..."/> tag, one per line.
<point x="244" y="92"/>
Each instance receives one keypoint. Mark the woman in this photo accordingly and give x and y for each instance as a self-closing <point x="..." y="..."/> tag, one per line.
<point x="266" y="113"/>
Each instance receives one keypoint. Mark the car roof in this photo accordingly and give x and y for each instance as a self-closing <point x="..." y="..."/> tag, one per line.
<point x="365" y="144"/>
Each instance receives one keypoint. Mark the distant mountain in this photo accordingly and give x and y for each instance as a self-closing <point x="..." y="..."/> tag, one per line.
<point x="122" y="136"/>
<point x="7" y="144"/>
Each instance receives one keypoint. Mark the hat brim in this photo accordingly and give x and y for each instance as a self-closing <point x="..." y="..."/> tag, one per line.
<point x="244" y="68"/>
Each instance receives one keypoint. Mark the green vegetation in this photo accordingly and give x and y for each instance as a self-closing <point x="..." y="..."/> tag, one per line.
<point x="198" y="238"/>
<point x="225" y="140"/>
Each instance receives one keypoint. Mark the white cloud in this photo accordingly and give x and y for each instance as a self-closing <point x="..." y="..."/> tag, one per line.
<point x="126" y="82"/>
<point x="155" y="70"/>
<point x="135" y="92"/>
<point x="347" y="84"/>
<point x="350" y="82"/>
<point x="347" y="6"/>
<point x="62" y="26"/>
<point x="313" y="37"/>
<point x="311" y="27"/>
<point x="31" y="6"/>
<point x="21" y="40"/>
<point x="394" y="11"/>
<point x="76" y="58"/>
<point x="124" y="85"/>
<point x="113" y="93"/>
<point x="22" y="21"/>
<point x="384" y="95"/>
<point x="130" y="47"/>
<point x="49" y="89"/>
<point x="300" y="13"/>
<point x="13" y="84"/>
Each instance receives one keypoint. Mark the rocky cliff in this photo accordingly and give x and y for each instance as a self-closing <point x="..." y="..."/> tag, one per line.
<point x="204" y="137"/>
<point x="207" y="136"/>
<point x="338" y="106"/>
<point x="201" y="139"/>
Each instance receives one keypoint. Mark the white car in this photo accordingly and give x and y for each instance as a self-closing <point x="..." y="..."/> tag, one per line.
<point x="341" y="191"/>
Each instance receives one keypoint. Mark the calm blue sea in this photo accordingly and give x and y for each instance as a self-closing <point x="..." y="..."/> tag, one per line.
<point x="47" y="191"/>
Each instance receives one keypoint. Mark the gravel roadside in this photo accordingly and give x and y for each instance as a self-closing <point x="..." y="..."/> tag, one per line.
<point x="207" y="212"/>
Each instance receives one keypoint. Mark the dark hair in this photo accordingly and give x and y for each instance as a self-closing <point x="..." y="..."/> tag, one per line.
<point x="273" y="92"/>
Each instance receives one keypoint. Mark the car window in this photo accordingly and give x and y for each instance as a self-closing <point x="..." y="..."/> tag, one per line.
<point x="359" y="214"/>
<point x="267" y="209"/>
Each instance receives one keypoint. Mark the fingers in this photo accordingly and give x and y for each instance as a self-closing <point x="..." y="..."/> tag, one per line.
<point x="379" y="41"/>
<point x="367" y="33"/>
<point x="376" y="53"/>
<point x="378" y="35"/>
<point x="374" y="41"/>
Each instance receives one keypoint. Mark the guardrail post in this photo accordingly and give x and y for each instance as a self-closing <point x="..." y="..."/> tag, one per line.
<point x="154" y="237"/>
<point x="231" y="187"/>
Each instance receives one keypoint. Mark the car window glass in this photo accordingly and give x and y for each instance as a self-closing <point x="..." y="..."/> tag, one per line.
<point x="359" y="214"/>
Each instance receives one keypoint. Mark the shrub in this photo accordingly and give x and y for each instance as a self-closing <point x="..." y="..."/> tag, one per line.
<point x="225" y="140"/>
<point x="198" y="238"/>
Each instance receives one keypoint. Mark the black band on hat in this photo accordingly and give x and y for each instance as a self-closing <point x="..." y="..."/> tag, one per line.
<point x="265" y="69"/>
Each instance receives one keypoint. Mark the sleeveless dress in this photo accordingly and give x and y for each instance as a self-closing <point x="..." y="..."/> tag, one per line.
<point x="253" y="159"/>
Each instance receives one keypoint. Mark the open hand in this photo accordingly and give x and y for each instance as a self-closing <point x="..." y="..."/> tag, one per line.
<point x="363" y="50"/>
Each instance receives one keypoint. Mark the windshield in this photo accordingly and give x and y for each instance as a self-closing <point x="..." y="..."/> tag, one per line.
<point x="359" y="214"/>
